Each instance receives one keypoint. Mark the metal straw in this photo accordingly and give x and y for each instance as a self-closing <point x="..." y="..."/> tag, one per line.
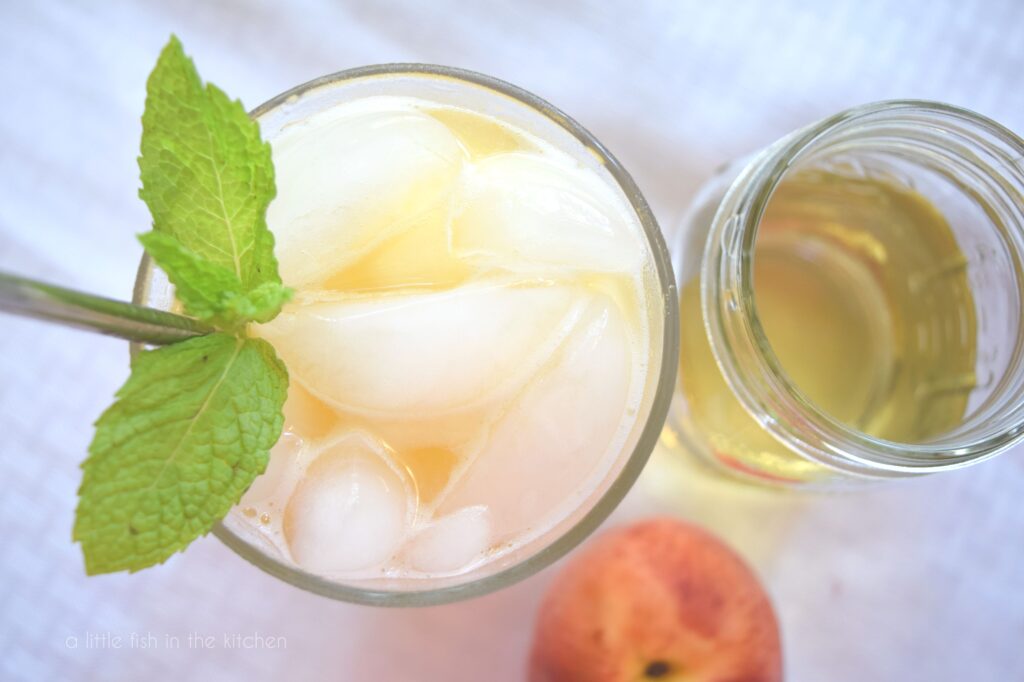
<point x="29" y="298"/>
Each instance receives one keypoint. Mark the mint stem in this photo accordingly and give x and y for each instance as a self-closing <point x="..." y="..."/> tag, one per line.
<point x="30" y="298"/>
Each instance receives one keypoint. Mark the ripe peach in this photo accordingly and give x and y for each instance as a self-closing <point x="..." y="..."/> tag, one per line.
<point x="657" y="600"/>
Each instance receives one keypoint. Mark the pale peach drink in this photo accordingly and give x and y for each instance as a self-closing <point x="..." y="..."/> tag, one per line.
<point x="468" y="347"/>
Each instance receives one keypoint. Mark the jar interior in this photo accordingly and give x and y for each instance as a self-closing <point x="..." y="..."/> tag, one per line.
<point x="886" y="282"/>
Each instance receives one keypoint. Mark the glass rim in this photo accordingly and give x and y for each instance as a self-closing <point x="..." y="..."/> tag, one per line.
<point x="649" y="435"/>
<point x="736" y="322"/>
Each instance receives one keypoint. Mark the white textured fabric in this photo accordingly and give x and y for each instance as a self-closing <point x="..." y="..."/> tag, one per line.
<point x="920" y="581"/>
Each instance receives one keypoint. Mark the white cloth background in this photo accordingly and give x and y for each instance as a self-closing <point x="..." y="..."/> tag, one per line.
<point x="919" y="581"/>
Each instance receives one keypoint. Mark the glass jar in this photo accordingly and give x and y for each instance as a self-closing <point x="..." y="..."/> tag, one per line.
<point x="516" y="106"/>
<point x="936" y="285"/>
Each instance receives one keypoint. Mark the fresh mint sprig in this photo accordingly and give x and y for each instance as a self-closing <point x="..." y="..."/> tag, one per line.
<point x="208" y="178"/>
<point x="193" y="425"/>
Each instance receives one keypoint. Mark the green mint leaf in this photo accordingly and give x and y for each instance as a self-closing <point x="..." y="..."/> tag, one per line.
<point x="207" y="177"/>
<point x="263" y="303"/>
<point x="193" y="425"/>
<point x="210" y="291"/>
<point x="190" y="431"/>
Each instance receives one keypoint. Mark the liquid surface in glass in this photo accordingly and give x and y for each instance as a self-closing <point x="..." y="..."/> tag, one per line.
<point x="468" y="345"/>
<point x="862" y="292"/>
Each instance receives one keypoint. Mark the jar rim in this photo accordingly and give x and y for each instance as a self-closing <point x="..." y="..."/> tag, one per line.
<point x="665" y="296"/>
<point x="740" y="344"/>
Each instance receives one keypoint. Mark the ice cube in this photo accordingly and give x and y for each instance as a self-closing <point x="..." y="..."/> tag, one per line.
<point x="543" y="455"/>
<point x="258" y="515"/>
<point x="450" y="543"/>
<point x="350" y="179"/>
<point x="528" y="212"/>
<point x="350" y="510"/>
<point x="278" y="474"/>
<point x="305" y="419"/>
<point x="424" y="354"/>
